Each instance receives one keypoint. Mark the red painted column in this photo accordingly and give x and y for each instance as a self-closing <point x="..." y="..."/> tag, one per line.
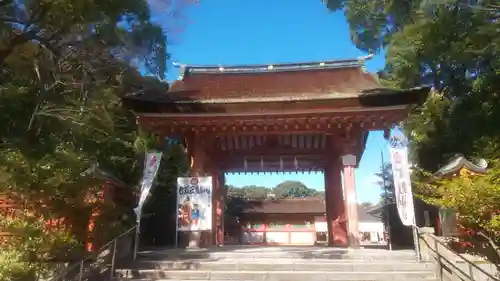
<point x="218" y="196"/>
<point x="335" y="211"/>
<point x="197" y="153"/>
<point x="220" y="209"/>
<point x="351" y="204"/>
<point x="215" y="206"/>
<point x="199" y="156"/>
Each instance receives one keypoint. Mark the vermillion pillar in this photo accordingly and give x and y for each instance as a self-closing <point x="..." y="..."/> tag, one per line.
<point x="219" y="209"/>
<point x="198" y="157"/>
<point x="215" y="206"/>
<point x="351" y="204"/>
<point x="335" y="211"/>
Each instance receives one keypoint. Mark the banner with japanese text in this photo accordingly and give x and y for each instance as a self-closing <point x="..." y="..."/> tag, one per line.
<point x="402" y="184"/>
<point x="151" y="165"/>
<point x="194" y="203"/>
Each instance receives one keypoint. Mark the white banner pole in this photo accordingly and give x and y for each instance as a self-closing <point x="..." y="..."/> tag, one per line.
<point x="416" y="242"/>
<point x="387" y="204"/>
<point x="177" y="216"/>
<point x="136" y="239"/>
<point x="151" y="166"/>
<point x="398" y="147"/>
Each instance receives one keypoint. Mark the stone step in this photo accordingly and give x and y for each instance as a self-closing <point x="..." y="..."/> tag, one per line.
<point x="287" y="260"/>
<point x="366" y="258"/>
<point x="278" y="249"/>
<point x="158" y="275"/>
<point x="277" y="265"/>
<point x="365" y="255"/>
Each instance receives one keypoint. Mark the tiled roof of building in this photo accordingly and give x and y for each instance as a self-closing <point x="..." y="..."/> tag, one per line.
<point x="308" y="205"/>
<point x="311" y="205"/>
<point x="365" y="216"/>
<point x="320" y="80"/>
<point x="339" y="82"/>
<point x="459" y="162"/>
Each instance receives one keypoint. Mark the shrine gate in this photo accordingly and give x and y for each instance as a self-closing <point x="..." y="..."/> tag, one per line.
<point x="312" y="116"/>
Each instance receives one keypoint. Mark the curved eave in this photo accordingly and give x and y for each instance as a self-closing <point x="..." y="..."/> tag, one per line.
<point x="457" y="164"/>
<point x="389" y="97"/>
<point x="163" y="103"/>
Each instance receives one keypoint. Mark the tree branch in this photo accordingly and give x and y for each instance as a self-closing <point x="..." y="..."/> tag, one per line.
<point x="490" y="241"/>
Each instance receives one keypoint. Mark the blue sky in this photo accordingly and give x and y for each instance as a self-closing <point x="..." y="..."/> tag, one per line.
<point x="263" y="31"/>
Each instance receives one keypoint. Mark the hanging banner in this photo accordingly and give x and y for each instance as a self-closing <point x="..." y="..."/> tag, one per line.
<point x="194" y="203"/>
<point x="402" y="183"/>
<point x="151" y="165"/>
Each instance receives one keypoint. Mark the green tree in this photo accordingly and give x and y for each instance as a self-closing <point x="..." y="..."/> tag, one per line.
<point x="386" y="183"/>
<point x="123" y="28"/>
<point x="248" y="192"/>
<point x="286" y="189"/>
<point x="293" y="189"/>
<point x="64" y="66"/>
<point x="475" y="198"/>
<point x="453" y="46"/>
<point x="235" y="192"/>
<point x="256" y="192"/>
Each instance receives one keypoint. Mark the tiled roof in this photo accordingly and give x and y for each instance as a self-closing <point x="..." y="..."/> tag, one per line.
<point x="280" y="206"/>
<point x="365" y="216"/>
<point x="340" y="82"/>
<point x="310" y="205"/>
<point x="459" y="162"/>
<point x="345" y="82"/>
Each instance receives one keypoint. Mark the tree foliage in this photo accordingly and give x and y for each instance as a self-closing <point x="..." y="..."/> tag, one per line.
<point x="286" y="189"/>
<point x="64" y="66"/>
<point x="386" y="183"/>
<point x="293" y="189"/>
<point x="33" y="241"/>
<point x="476" y="198"/>
<point x="452" y="46"/>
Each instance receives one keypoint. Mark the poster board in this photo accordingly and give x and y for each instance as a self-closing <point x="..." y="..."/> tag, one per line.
<point x="194" y="203"/>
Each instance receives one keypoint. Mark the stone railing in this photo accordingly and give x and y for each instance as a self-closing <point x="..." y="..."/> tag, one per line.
<point x="102" y="265"/>
<point x="452" y="266"/>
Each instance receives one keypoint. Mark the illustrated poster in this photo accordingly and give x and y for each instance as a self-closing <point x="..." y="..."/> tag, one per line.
<point x="194" y="203"/>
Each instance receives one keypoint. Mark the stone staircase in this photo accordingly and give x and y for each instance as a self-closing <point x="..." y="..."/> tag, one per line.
<point x="277" y="264"/>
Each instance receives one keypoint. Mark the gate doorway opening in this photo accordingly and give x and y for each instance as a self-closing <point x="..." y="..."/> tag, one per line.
<point x="275" y="209"/>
